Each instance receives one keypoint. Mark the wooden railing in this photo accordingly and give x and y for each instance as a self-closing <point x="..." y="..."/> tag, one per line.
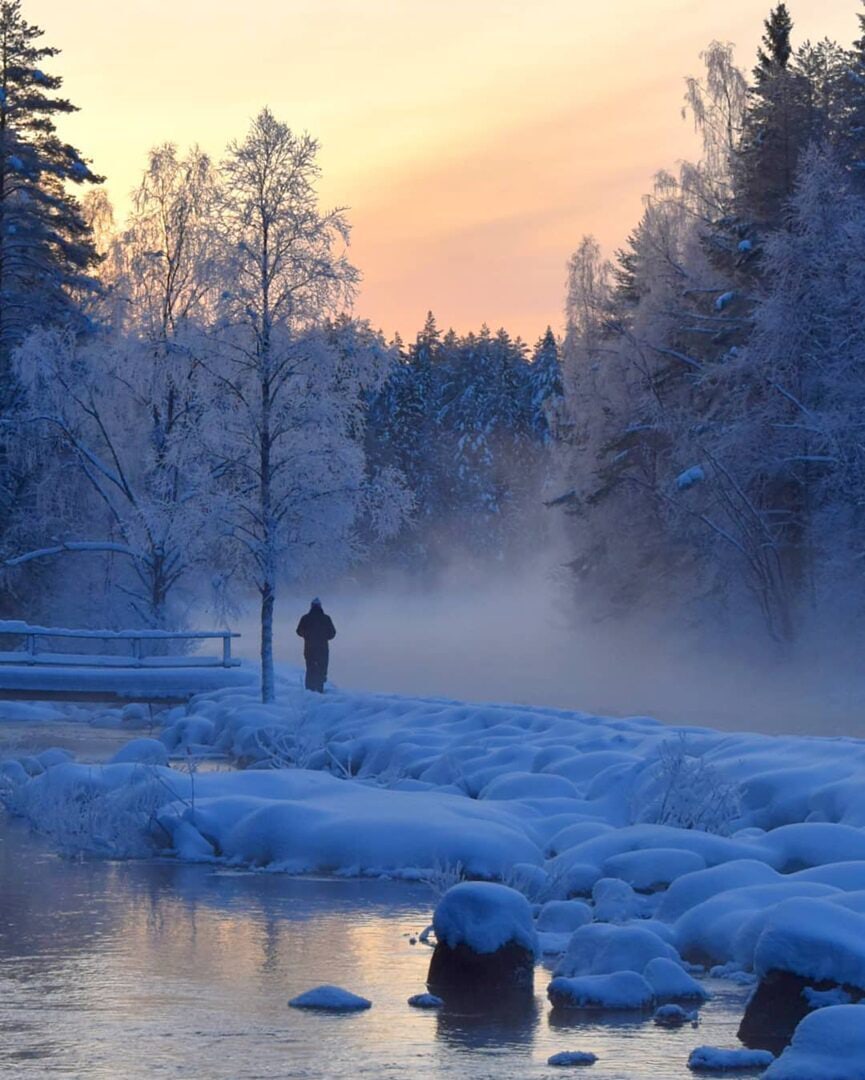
<point x="31" y="655"/>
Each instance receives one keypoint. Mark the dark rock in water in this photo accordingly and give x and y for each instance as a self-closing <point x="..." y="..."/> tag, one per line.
<point x="461" y="972"/>
<point x="486" y="945"/>
<point x="778" y="1004"/>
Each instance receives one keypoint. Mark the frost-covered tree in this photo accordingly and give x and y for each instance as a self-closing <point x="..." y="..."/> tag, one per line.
<point x="113" y="487"/>
<point x="46" y="248"/>
<point x="792" y="434"/>
<point x="169" y="271"/>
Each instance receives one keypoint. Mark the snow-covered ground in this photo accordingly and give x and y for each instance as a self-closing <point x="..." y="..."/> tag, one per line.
<point x="652" y="854"/>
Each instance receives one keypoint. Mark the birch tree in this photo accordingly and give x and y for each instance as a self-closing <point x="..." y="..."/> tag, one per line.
<point x="286" y="392"/>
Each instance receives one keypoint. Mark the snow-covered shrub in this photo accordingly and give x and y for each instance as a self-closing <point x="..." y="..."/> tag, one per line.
<point x="686" y="792"/>
<point x="81" y="815"/>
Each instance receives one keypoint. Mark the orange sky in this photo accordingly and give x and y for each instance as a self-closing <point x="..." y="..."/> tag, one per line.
<point x="475" y="141"/>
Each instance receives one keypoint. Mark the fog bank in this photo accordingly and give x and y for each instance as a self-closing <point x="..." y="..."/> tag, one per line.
<point x="512" y="637"/>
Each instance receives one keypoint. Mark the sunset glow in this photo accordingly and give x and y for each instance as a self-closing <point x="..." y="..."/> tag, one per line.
<point x="474" y="142"/>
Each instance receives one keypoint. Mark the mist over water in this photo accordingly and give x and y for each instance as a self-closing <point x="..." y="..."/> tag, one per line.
<point x="513" y="636"/>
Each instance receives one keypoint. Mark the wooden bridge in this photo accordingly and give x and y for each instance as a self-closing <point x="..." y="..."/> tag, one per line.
<point x="47" y="664"/>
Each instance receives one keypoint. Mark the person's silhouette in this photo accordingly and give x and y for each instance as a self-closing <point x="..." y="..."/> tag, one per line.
<point x="317" y="630"/>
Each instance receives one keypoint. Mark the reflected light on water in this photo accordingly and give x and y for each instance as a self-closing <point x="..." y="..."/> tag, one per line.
<point x="166" y="970"/>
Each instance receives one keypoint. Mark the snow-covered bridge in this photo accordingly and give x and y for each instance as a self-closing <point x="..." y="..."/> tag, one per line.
<point x="56" y="663"/>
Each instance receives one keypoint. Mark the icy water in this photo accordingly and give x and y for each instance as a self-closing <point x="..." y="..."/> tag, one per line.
<point x="120" y="971"/>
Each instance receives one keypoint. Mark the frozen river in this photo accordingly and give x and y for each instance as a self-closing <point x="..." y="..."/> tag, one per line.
<point x="155" y="969"/>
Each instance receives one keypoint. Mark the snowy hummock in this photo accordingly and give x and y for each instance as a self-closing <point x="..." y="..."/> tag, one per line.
<point x="330" y="998"/>
<point x="484" y="917"/>
<point x="570" y="1058"/>
<point x="669" y="980"/>
<point x="622" y="990"/>
<point x="365" y="784"/>
<point x="816" y="939"/>
<point x="425" y="1001"/>
<point x="601" y="949"/>
<point x="713" y="1059"/>
<point x="829" y="1044"/>
<point x="674" y="1016"/>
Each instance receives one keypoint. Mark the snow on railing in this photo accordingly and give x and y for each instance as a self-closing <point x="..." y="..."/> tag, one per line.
<point x="29" y="655"/>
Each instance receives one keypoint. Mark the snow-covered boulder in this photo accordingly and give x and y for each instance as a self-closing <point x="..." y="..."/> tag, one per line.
<point x="657" y="868"/>
<point x="807" y="947"/>
<point x="485" y="940"/>
<point x="425" y="1001"/>
<point x="563" y="916"/>
<point x="674" y="1016"/>
<point x="601" y="949"/>
<point x="142" y="752"/>
<point x="568" y="1059"/>
<point x="330" y="999"/>
<point x="614" y="901"/>
<point x="189" y="731"/>
<point x="135" y="716"/>
<point x="620" y="990"/>
<point x="669" y="980"/>
<point x="829" y="1044"/>
<point x="714" y="1059"/>
<point x="54" y="755"/>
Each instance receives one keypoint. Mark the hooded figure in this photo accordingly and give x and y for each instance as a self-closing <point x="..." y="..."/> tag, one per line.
<point x="317" y="630"/>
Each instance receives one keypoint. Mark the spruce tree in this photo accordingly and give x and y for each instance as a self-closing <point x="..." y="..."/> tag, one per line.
<point x="774" y="55"/>
<point x="46" y="246"/>
<point x="546" y="384"/>
<point x="774" y="129"/>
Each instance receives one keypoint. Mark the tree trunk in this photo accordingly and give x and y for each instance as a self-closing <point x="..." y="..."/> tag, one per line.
<point x="268" y="595"/>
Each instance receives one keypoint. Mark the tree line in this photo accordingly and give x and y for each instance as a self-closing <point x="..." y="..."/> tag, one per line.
<point x="714" y="462"/>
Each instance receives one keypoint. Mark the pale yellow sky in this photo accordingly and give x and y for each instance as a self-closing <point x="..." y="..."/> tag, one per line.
<point x="475" y="141"/>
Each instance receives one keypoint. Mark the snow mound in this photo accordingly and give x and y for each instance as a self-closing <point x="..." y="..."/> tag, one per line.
<point x="615" y="901"/>
<point x="570" y="1058"/>
<point x="653" y="869"/>
<point x="484" y="916"/>
<point x="669" y="980"/>
<point x="331" y="999"/>
<point x="142" y="752"/>
<point x="814" y="939"/>
<point x="563" y="916"/>
<point x="713" y="1059"/>
<point x="621" y="990"/>
<point x="425" y="1001"/>
<point x="829" y="1044"/>
<point x="601" y="949"/>
<point x="674" y="1016"/>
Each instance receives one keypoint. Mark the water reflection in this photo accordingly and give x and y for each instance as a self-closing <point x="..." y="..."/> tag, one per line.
<point x="488" y="1026"/>
<point x="163" y="969"/>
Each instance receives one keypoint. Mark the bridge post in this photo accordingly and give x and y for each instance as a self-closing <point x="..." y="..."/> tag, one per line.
<point x="226" y="650"/>
<point x="31" y="648"/>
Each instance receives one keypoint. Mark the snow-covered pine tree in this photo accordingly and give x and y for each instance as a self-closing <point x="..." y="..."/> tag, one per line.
<point x="545" y="378"/>
<point x="774" y="129"/>
<point x="46" y="247"/>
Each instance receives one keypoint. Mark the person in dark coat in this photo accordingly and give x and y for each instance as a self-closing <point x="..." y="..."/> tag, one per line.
<point x="317" y="630"/>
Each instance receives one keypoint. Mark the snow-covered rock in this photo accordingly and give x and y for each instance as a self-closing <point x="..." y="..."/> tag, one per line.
<point x="485" y="940"/>
<point x="669" y="980"/>
<point x="330" y="999"/>
<point x="715" y="1059"/>
<point x="621" y="990"/>
<point x="143" y="752"/>
<point x="828" y="1044"/>
<point x="425" y="1001"/>
<point x="601" y="949"/>
<point x="673" y="1016"/>
<point x="571" y="1058"/>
